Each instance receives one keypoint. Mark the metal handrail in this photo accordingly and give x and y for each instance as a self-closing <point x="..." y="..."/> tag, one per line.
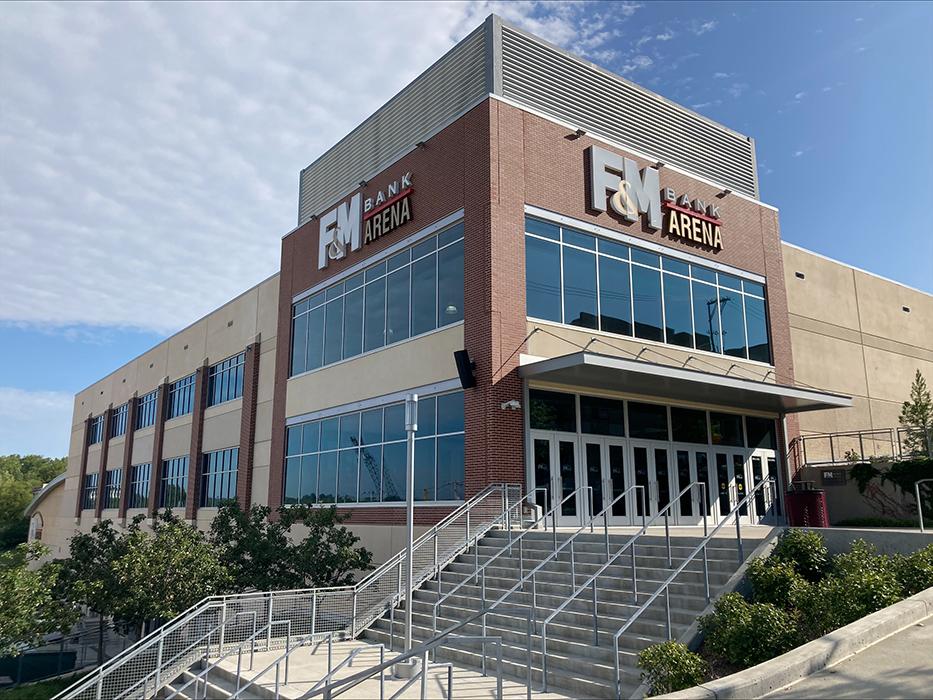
<point x="346" y="662"/>
<point x="210" y="603"/>
<point x="223" y="655"/>
<point x="478" y="569"/>
<point x="665" y="586"/>
<point x="591" y="581"/>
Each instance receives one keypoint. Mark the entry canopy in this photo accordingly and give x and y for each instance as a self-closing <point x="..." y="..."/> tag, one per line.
<point x="587" y="369"/>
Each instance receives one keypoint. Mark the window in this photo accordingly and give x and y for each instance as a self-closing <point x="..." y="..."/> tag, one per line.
<point x="360" y="457"/>
<point x="647" y="421"/>
<point x="225" y="380"/>
<point x="218" y="477"/>
<point x="601" y="416"/>
<point x="180" y="397"/>
<point x="95" y="430"/>
<point x="174" y="483"/>
<point x="413" y="292"/>
<point x="89" y="493"/>
<point x="726" y="429"/>
<point x="118" y="421"/>
<point x="137" y="494"/>
<point x="581" y="280"/>
<point x="146" y="410"/>
<point x="552" y="410"/>
<point x="760" y="433"/>
<point x="112" y="488"/>
<point x="689" y="425"/>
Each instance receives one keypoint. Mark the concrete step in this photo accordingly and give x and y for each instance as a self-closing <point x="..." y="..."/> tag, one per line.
<point x="559" y="571"/>
<point x="220" y="684"/>
<point x="563" y="672"/>
<point x="598" y="538"/>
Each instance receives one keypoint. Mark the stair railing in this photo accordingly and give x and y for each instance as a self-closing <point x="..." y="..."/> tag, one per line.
<point x="532" y="575"/>
<point x="481" y="569"/>
<point x="630" y="544"/>
<point x="347" y="610"/>
<point x="665" y="585"/>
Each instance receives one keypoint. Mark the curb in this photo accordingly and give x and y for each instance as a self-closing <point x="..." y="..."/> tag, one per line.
<point x="814" y="656"/>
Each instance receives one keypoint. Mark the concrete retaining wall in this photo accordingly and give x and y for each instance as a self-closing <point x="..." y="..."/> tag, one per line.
<point x="887" y="540"/>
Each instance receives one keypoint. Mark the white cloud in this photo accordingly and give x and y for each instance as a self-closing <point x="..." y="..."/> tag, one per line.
<point x="666" y="35"/>
<point x="737" y="89"/>
<point x="35" y="422"/>
<point x="799" y="96"/>
<point x="636" y="63"/>
<point x="149" y="152"/>
<point x="700" y="28"/>
<point x="721" y="76"/>
<point x="799" y="152"/>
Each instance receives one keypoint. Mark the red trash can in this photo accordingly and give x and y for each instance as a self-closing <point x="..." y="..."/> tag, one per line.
<point x="806" y="506"/>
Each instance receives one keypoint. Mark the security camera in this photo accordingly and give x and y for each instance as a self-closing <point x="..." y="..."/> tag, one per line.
<point x="512" y="405"/>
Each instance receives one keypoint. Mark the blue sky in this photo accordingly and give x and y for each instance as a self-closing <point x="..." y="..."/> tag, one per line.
<point x="149" y="153"/>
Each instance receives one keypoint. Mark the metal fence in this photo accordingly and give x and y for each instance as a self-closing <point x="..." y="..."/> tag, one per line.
<point x="224" y="622"/>
<point x="830" y="449"/>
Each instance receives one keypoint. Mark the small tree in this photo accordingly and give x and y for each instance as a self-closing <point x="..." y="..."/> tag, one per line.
<point x="266" y="554"/>
<point x="917" y="417"/>
<point x="165" y="572"/>
<point x="88" y="576"/>
<point x="28" y="608"/>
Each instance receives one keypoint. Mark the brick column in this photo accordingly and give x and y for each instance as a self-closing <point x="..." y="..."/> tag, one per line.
<point x="197" y="436"/>
<point x="244" y="475"/>
<point x="83" y="468"/>
<point x="155" y="473"/>
<point x="104" y="450"/>
<point x="131" y="408"/>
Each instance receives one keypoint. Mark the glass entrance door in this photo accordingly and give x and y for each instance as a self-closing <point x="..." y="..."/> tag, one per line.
<point x="692" y="465"/>
<point x="732" y="482"/>
<point x="652" y="471"/>
<point x="555" y="468"/>
<point x="606" y="469"/>
<point x="763" y="464"/>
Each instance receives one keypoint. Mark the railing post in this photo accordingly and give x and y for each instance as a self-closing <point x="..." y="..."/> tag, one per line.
<point x="667" y="535"/>
<point x="466" y="540"/>
<point x="595" y="616"/>
<point x="223" y="625"/>
<point x="158" y="668"/>
<point x="482" y="593"/>
<point x="738" y="535"/>
<point x="634" y="575"/>
<point x="667" y="606"/>
<point x="353" y="617"/>
<point x="573" y="568"/>
<point x="313" y="611"/>
<point x="269" y="625"/>
<point x="437" y="567"/>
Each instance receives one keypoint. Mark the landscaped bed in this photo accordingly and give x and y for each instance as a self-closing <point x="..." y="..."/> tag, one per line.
<point x="798" y="593"/>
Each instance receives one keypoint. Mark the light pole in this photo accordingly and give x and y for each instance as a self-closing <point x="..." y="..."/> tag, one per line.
<point x="406" y="669"/>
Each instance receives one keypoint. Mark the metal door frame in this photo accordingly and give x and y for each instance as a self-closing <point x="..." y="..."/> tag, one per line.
<point x="605" y="442"/>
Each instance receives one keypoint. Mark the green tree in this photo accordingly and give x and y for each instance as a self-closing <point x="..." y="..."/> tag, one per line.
<point x="20" y="475"/>
<point x="917" y="417"/>
<point x="163" y="573"/>
<point x="29" y="609"/>
<point x="265" y="554"/>
<point x="89" y="576"/>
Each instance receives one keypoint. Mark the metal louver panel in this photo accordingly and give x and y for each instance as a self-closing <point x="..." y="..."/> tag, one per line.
<point x="555" y="83"/>
<point x="452" y="85"/>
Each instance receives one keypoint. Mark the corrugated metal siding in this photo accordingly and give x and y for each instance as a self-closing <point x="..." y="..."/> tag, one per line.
<point x="445" y="90"/>
<point x="552" y="82"/>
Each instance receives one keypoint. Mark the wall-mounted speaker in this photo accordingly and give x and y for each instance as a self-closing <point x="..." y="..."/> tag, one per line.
<point x="465" y="368"/>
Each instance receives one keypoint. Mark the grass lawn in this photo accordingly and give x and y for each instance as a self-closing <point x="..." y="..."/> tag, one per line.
<point x="42" y="690"/>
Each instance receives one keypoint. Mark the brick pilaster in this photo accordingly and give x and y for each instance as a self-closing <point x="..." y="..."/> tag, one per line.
<point x="104" y="450"/>
<point x="131" y="408"/>
<point x="244" y="476"/>
<point x="155" y="474"/>
<point x="83" y="469"/>
<point x="197" y="437"/>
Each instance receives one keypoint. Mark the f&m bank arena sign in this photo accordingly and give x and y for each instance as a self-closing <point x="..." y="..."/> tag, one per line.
<point x="617" y="183"/>
<point x="340" y="228"/>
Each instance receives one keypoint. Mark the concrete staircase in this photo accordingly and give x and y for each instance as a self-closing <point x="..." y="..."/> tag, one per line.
<point x="577" y="666"/>
<point x="221" y="683"/>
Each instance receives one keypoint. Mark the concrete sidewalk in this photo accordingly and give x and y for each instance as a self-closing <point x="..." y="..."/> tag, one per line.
<point x="899" y="666"/>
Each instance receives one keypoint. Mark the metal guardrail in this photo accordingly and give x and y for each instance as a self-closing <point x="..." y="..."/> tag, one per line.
<point x="839" y="448"/>
<point x="665" y="586"/>
<point x="346" y="610"/>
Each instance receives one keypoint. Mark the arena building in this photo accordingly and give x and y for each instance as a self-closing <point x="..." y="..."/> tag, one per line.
<point x="628" y="312"/>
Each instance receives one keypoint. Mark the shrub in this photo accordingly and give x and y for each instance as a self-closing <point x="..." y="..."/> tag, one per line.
<point x="745" y="633"/>
<point x="861" y="583"/>
<point x="776" y="582"/>
<point x="915" y="571"/>
<point x="805" y="550"/>
<point x="670" y="667"/>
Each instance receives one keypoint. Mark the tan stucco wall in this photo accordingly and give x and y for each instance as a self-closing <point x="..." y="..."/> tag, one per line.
<point x="57" y="523"/>
<point x="221" y="334"/>
<point x="851" y="335"/>
<point x="424" y="360"/>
